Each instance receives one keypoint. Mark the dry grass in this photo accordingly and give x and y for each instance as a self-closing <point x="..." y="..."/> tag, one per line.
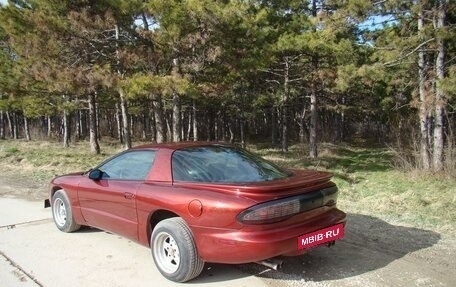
<point x="43" y="160"/>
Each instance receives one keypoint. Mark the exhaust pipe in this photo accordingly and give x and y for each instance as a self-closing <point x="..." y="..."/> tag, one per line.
<point x="272" y="263"/>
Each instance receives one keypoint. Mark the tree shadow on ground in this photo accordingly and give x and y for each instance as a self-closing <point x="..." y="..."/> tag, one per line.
<point x="369" y="244"/>
<point x="357" y="160"/>
<point x="332" y="157"/>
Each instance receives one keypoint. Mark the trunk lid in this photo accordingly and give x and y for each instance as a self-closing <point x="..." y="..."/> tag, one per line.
<point x="299" y="182"/>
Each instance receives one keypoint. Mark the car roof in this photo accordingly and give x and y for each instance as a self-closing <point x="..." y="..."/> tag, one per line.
<point x="180" y="145"/>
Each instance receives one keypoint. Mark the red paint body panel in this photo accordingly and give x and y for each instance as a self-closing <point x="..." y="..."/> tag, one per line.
<point x="126" y="207"/>
<point x="110" y="204"/>
<point x="161" y="170"/>
<point x="256" y="244"/>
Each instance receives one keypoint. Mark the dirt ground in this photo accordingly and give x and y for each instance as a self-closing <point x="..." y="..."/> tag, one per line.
<point x="373" y="252"/>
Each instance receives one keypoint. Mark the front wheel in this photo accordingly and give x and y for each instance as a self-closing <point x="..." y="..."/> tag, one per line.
<point x="174" y="250"/>
<point x="62" y="213"/>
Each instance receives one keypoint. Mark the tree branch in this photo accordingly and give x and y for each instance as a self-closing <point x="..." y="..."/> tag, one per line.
<point x="271" y="72"/>
<point x="390" y="63"/>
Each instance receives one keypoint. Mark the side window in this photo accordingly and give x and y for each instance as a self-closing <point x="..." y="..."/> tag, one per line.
<point x="133" y="165"/>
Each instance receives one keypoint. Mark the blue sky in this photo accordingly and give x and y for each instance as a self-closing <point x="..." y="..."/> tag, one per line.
<point x="376" y="22"/>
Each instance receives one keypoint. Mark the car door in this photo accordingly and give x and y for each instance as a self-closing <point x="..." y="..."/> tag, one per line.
<point x="109" y="202"/>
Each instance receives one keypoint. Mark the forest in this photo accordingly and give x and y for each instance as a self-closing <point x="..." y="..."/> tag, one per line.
<point x="274" y="71"/>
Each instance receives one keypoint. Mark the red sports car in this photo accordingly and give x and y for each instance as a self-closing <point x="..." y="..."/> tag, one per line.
<point x="200" y="202"/>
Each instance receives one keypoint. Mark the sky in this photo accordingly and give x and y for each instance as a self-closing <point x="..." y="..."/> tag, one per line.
<point x="376" y="22"/>
<point x="3" y="2"/>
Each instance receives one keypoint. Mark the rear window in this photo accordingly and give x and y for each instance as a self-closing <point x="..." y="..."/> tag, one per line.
<point x="222" y="164"/>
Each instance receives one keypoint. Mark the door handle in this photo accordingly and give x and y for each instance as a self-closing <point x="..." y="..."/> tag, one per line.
<point x="129" y="195"/>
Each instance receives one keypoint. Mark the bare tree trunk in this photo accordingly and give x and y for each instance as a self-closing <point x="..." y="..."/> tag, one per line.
<point x="313" y="153"/>
<point x="123" y="101"/>
<point x="26" y="129"/>
<point x="195" y="122"/>
<point x="302" y="124"/>
<point x="132" y="125"/>
<point x="176" y="118"/>
<point x="342" y="120"/>
<point x="49" y="126"/>
<point x="83" y="123"/>
<point x="119" y="123"/>
<point x="98" y="113"/>
<point x="183" y="129"/>
<point x="66" y="125"/>
<point x="169" y="123"/>
<point x="224" y="127"/>
<point x="10" y="124"/>
<point x="93" y="138"/>
<point x="126" y="127"/>
<point x="15" y="127"/>
<point x="285" y="105"/>
<point x="242" y="130"/>
<point x="144" y="126"/>
<point x="189" y="125"/>
<point x="153" y="126"/>
<point x="78" y="124"/>
<point x="159" y="118"/>
<point x="231" y="131"/>
<point x="216" y="127"/>
<point x="2" y="125"/>
<point x="439" y="94"/>
<point x="66" y="129"/>
<point x="423" y="108"/>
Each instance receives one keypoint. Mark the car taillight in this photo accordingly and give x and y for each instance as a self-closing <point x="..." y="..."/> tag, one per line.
<point x="270" y="212"/>
<point x="281" y="209"/>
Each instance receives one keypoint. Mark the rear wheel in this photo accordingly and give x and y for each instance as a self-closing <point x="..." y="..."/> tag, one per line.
<point x="62" y="213"/>
<point x="174" y="250"/>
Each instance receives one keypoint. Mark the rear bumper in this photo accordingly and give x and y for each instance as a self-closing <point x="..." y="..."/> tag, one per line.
<point x="258" y="243"/>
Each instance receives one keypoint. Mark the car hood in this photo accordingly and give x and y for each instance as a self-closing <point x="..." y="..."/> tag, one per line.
<point x="73" y="174"/>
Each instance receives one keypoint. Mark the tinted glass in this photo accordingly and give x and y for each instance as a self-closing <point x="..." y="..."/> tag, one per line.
<point x="134" y="165"/>
<point x="222" y="164"/>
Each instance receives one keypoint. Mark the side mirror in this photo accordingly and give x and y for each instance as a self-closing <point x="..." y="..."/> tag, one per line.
<point x="95" y="174"/>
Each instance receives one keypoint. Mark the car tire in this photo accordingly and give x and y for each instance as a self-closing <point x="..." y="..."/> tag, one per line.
<point x="62" y="212"/>
<point x="174" y="250"/>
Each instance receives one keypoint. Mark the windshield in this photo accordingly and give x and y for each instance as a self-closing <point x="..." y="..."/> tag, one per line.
<point x="222" y="164"/>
